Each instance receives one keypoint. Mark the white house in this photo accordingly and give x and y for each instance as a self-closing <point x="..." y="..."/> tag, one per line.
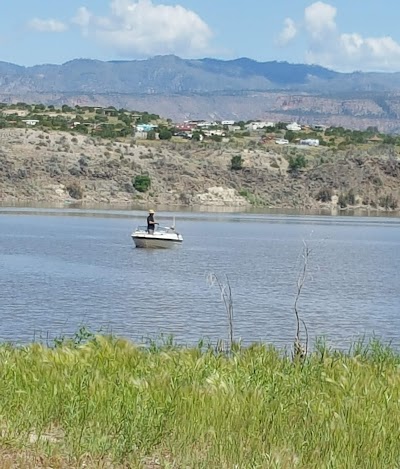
<point x="312" y="142"/>
<point x="227" y="122"/>
<point x="294" y="127"/>
<point x="31" y="121"/>
<point x="210" y="133"/>
<point x="205" y="124"/>
<point x="145" y="127"/>
<point x="258" y="125"/>
<point x="234" y="128"/>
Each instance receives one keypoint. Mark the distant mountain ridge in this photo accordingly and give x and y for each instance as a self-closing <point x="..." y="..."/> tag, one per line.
<point x="171" y="74"/>
<point x="225" y="87"/>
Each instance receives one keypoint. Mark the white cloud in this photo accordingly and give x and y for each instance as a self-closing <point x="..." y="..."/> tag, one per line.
<point x="344" y="51"/>
<point x="47" y="26"/>
<point x="319" y="19"/>
<point x="82" y="17"/>
<point x="378" y="53"/>
<point x="381" y="47"/>
<point x="351" y="43"/>
<point x="288" y="32"/>
<point x="139" y="27"/>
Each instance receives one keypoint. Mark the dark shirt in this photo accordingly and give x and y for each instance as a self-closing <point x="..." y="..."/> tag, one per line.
<point x="150" y="222"/>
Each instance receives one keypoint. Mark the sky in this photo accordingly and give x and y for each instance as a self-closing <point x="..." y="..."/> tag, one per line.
<point x="343" y="35"/>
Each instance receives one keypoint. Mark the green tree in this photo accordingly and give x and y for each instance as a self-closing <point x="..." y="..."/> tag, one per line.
<point x="270" y="130"/>
<point x="296" y="163"/>
<point x="372" y="129"/>
<point x="107" y="131"/>
<point x="281" y="125"/>
<point x="197" y="135"/>
<point x="236" y="162"/>
<point x="289" y="135"/>
<point x="389" y="139"/>
<point x="82" y="129"/>
<point x="151" y="135"/>
<point x="125" y="131"/>
<point x="66" y="108"/>
<point x="165" y="134"/>
<point x="142" y="182"/>
<point x="127" y="120"/>
<point x="144" y="118"/>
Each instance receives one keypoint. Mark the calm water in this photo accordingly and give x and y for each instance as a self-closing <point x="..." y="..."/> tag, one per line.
<point x="63" y="269"/>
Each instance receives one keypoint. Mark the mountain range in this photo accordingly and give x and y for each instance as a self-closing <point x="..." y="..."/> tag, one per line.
<point x="212" y="88"/>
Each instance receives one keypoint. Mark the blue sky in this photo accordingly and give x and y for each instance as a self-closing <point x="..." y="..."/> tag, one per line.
<point x="344" y="35"/>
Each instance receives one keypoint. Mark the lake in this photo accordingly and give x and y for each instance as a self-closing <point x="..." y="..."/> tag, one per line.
<point x="61" y="269"/>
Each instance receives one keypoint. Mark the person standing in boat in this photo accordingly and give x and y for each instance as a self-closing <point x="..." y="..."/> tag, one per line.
<point x="151" y="224"/>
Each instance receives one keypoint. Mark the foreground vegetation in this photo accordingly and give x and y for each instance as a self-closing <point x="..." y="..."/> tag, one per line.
<point x="105" y="402"/>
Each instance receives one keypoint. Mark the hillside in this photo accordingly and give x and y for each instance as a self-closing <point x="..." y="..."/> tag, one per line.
<point x="58" y="167"/>
<point x="211" y="88"/>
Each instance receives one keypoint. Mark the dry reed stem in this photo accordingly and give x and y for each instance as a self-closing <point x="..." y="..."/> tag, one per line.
<point x="300" y="349"/>
<point x="226" y="295"/>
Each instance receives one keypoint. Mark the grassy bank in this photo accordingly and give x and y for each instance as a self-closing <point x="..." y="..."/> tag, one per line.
<point x="108" y="402"/>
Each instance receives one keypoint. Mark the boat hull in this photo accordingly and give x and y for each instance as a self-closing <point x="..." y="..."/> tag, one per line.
<point x="155" y="243"/>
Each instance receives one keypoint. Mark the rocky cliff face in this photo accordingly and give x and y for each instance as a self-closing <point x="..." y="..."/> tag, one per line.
<point x="59" y="167"/>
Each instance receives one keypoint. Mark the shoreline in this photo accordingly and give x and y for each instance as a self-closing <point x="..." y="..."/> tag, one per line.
<point x="356" y="211"/>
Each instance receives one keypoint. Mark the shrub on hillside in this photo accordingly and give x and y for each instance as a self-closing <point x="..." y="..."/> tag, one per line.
<point x="388" y="202"/>
<point x="236" y="162"/>
<point x="142" y="183"/>
<point x="296" y="163"/>
<point x="346" y="199"/>
<point x="325" y="194"/>
<point x="75" y="190"/>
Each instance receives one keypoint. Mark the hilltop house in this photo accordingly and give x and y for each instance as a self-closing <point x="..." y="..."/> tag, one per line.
<point x="294" y="127"/>
<point x="186" y="127"/>
<point x="375" y="139"/>
<point x="234" y="128"/>
<point x="312" y="142"/>
<point x="258" y="125"/>
<point x="31" y="121"/>
<point x="214" y="132"/>
<point x="145" y="127"/>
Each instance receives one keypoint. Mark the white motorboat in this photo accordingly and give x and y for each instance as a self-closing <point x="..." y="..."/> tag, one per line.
<point x="162" y="238"/>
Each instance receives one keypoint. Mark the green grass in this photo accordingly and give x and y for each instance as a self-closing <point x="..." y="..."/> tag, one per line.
<point x="107" y="400"/>
<point x="251" y="198"/>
